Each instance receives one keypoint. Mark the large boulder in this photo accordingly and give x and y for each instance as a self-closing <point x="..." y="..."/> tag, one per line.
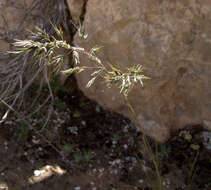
<point x="172" y="40"/>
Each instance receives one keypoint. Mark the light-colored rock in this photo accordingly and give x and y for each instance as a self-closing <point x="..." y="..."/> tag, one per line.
<point x="207" y="139"/>
<point x="76" y="8"/>
<point x="172" y="40"/>
<point x="207" y="124"/>
<point x="15" y="16"/>
<point x="14" y="21"/>
<point x="4" y="46"/>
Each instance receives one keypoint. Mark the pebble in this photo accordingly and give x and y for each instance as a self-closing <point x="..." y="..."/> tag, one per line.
<point x="83" y="123"/>
<point x="94" y="170"/>
<point x="101" y="170"/>
<point x="207" y="139"/>
<point x="131" y="168"/>
<point x="47" y="167"/>
<point x="114" y="172"/>
<point x="126" y="127"/>
<point x="115" y="162"/>
<point x="97" y="109"/>
<point x="37" y="173"/>
<point x="77" y="188"/>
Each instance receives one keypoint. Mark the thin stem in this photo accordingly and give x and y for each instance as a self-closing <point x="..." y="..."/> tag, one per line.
<point x="154" y="158"/>
<point x="193" y="171"/>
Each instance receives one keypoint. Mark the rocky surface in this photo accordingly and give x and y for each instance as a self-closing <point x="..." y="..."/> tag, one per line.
<point x="76" y="9"/>
<point x="17" y="18"/>
<point x="14" y="20"/>
<point x="172" y="40"/>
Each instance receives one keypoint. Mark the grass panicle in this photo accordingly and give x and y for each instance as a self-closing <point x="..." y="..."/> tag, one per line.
<point x="44" y="54"/>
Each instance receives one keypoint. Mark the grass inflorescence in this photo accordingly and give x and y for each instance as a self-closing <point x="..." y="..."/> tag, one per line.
<point x="47" y="55"/>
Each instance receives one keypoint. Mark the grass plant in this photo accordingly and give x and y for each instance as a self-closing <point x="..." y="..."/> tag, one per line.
<point x="43" y="49"/>
<point x="45" y="60"/>
<point x="46" y="55"/>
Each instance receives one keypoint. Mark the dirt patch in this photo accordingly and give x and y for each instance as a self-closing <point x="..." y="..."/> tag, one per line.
<point x="101" y="150"/>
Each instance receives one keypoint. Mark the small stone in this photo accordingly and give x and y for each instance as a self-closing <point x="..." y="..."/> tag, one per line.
<point x="77" y="188"/>
<point x="83" y="123"/>
<point x="131" y="168"/>
<point x="47" y="167"/>
<point x="94" y="170"/>
<point x="207" y="139"/>
<point x="101" y="170"/>
<point x="126" y="129"/>
<point x="37" y="173"/>
<point x="97" y="109"/>
<point x="35" y="141"/>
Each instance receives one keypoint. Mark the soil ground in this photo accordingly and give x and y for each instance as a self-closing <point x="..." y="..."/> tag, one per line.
<point x="98" y="150"/>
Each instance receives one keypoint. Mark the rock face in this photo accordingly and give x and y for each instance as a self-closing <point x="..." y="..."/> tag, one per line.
<point x="172" y="40"/>
<point x="76" y="9"/>
<point x="16" y="17"/>
<point x="13" y="20"/>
